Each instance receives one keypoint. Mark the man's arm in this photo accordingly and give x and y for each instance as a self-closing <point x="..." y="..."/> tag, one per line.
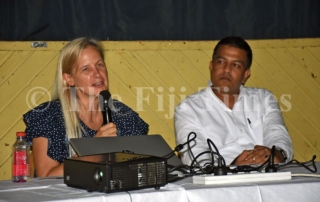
<point x="274" y="130"/>
<point x="187" y="120"/>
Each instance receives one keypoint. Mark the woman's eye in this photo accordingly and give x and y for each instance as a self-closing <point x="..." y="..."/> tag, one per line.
<point x="85" y="69"/>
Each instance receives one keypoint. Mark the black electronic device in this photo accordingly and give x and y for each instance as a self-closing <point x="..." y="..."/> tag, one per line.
<point x="105" y="101"/>
<point x="114" y="172"/>
<point x="151" y="145"/>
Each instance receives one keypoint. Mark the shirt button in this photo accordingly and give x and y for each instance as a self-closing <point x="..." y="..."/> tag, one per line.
<point x="241" y="130"/>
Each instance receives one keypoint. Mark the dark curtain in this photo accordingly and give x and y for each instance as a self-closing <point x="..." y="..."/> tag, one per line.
<point x="53" y="20"/>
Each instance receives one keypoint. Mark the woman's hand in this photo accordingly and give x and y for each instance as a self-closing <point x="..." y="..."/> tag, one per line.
<point x="107" y="130"/>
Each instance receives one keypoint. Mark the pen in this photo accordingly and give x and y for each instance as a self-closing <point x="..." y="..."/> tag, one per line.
<point x="249" y="122"/>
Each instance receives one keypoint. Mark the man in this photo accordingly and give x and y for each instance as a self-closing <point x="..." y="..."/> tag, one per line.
<point x="244" y="123"/>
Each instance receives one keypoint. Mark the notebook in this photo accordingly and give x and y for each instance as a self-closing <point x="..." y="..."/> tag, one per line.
<point x="152" y="145"/>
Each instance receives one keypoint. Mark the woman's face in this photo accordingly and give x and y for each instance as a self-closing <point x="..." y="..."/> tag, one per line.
<point x="89" y="75"/>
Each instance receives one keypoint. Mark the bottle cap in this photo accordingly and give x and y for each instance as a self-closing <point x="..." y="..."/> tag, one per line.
<point x="20" y="134"/>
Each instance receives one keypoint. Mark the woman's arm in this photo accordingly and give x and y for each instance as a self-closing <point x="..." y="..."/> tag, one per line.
<point x="45" y="166"/>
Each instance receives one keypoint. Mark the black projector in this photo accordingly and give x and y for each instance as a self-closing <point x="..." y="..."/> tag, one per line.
<point x="114" y="172"/>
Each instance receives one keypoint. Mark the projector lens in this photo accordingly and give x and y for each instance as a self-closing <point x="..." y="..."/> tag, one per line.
<point x="98" y="176"/>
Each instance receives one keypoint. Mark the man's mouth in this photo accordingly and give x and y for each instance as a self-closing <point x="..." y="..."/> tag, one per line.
<point x="225" y="78"/>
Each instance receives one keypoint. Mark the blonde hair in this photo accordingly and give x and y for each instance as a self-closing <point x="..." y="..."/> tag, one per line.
<point x="68" y="58"/>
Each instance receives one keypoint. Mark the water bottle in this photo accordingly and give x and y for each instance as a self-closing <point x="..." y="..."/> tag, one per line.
<point x="20" y="159"/>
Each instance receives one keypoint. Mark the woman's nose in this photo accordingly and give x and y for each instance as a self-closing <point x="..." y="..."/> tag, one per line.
<point x="96" y="72"/>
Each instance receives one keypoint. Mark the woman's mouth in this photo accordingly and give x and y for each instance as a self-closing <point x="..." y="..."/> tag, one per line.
<point x="98" y="84"/>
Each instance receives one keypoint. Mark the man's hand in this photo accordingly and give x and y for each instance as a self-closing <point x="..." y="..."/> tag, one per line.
<point x="258" y="155"/>
<point x="242" y="159"/>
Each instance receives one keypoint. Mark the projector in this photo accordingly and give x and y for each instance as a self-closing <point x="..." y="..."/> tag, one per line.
<point x="114" y="172"/>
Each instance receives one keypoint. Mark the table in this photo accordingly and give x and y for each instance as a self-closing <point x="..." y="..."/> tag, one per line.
<point x="52" y="189"/>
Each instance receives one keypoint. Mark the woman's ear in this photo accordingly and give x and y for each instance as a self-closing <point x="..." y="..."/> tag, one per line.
<point x="68" y="78"/>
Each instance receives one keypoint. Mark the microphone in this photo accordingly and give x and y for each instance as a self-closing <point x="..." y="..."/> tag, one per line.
<point x="105" y="102"/>
<point x="271" y="168"/>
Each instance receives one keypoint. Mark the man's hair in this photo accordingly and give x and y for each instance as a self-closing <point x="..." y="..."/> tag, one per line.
<point x="237" y="42"/>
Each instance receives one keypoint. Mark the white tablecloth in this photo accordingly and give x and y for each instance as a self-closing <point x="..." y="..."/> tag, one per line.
<point x="47" y="189"/>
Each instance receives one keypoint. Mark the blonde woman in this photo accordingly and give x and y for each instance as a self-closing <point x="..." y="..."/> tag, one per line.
<point x="74" y="110"/>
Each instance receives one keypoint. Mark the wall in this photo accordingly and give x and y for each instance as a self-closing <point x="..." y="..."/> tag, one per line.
<point x="153" y="77"/>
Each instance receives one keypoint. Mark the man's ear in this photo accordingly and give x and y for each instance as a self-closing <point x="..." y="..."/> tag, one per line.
<point x="68" y="78"/>
<point x="210" y="65"/>
<point x="247" y="73"/>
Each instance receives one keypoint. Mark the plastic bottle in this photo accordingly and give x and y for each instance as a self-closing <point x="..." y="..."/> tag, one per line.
<point x="20" y="159"/>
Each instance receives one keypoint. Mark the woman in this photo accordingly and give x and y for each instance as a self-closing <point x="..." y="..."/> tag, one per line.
<point x="74" y="110"/>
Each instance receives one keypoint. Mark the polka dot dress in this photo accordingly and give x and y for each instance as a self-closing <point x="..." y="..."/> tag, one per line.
<point x="47" y="121"/>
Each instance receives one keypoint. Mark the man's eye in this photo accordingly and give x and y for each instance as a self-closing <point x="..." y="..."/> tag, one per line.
<point x="100" y="65"/>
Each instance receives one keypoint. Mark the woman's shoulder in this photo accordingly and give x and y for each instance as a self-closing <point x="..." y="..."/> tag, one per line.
<point x="44" y="110"/>
<point x="120" y="108"/>
<point x="54" y="104"/>
<point x="128" y="121"/>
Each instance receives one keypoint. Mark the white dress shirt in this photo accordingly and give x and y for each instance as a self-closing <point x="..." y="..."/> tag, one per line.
<point x="254" y="120"/>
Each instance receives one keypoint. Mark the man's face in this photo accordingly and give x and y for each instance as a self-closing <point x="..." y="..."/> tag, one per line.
<point x="228" y="70"/>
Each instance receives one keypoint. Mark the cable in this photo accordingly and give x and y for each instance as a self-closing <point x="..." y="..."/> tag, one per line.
<point x="304" y="175"/>
<point x="208" y="168"/>
<point x="129" y="195"/>
<point x="302" y="164"/>
<point x="191" y="153"/>
<point x="179" y="168"/>
<point x="217" y="152"/>
<point x="198" y="164"/>
<point x="180" y="146"/>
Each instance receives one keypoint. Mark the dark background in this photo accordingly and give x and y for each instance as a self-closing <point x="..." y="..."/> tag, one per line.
<point x="53" y="20"/>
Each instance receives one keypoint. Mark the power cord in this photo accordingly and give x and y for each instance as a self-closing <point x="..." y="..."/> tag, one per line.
<point x="180" y="146"/>
<point x="296" y="163"/>
<point x="304" y="175"/>
<point x="221" y="169"/>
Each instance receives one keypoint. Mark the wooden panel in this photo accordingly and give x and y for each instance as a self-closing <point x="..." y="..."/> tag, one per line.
<point x="133" y="86"/>
<point x="308" y="62"/>
<point x="30" y="91"/>
<point x="302" y="146"/>
<point x="4" y="55"/>
<point x="11" y="62"/>
<point x="153" y="77"/>
<point x="200" y="61"/>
